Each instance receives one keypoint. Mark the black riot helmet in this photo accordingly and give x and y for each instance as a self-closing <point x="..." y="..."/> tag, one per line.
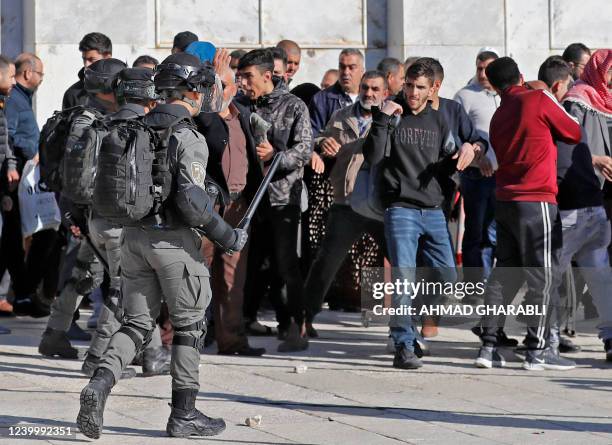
<point x="100" y="75"/>
<point x="183" y="72"/>
<point x="135" y="83"/>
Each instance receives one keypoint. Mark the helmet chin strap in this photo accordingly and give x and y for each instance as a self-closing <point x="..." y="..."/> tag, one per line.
<point x="193" y="103"/>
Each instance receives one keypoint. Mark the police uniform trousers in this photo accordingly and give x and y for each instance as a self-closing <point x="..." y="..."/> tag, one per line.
<point x="86" y="275"/>
<point x="107" y="237"/>
<point x="162" y="265"/>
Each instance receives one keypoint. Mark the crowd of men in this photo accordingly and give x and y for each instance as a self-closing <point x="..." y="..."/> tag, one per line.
<point x="162" y="230"/>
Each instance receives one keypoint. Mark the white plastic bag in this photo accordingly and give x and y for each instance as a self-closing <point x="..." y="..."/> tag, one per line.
<point x="39" y="210"/>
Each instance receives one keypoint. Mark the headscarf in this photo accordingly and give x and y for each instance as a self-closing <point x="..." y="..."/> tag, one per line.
<point x="591" y="90"/>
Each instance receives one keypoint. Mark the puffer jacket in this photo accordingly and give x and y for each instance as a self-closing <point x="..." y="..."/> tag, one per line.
<point x="291" y="135"/>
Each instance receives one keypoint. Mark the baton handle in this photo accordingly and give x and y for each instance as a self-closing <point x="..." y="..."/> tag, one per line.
<point x="261" y="191"/>
<point x="88" y="240"/>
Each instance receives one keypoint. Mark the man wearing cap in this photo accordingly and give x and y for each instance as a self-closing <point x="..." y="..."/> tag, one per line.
<point x="182" y="40"/>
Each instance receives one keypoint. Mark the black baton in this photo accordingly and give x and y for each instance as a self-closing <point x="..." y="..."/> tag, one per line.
<point x="263" y="188"/>
<point x="88" y="240"/>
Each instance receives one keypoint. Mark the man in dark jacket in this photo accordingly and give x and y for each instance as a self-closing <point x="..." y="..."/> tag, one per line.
<point x="291" y="137"/>
<point x="343" y="93"/>
<point x="8" y="164"/>
<point x="23" y="131"/>
<point x="94" y="46"/>
<point x="410" y="190"/>
<point x="234" y="167"/>
<point x="8" y="167"/>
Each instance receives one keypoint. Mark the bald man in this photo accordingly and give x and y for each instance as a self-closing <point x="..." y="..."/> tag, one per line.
<point x="294" y="56"/>
<point x="23" y="131"/>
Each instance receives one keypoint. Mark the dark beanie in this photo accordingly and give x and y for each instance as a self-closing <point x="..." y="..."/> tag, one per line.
<point x="183" y="39"/>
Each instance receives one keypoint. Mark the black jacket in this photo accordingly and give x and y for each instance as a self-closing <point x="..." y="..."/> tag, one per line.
<point x="7" y="159"/>
<point x="418" y="145"/>
<point x="75" y="94"/>
<point x="215" y="130"/>
<point x="324" y="104"/>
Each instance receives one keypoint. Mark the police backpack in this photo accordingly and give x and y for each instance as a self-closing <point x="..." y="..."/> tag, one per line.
<point x="133" y="178"/>
<point x="68" y="147"/>
<point x="51" y="146"/>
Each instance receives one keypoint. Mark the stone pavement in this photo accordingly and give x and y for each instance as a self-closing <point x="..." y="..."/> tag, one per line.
<point x="349" y="394"/>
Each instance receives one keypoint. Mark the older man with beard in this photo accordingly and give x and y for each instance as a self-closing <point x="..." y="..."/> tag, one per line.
<point x="234" y="167"/>
<point x="342" y="139"/>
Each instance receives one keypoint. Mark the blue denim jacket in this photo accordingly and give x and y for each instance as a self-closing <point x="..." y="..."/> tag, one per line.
<point x="22" y="126"/>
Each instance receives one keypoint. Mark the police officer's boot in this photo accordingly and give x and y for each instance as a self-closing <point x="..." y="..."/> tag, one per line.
<point x="54" y="342"/>
<point x="185" y="420"/>
<point x="93" y="399"/>
<point x="155" y="361"/>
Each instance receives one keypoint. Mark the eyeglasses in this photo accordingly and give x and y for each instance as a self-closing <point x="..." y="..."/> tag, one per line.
<point x="40" y="73"/>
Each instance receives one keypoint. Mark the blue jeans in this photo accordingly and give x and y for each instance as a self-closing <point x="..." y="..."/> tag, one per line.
<point x="586" y="236"/>
<point x="404" y="228"/>
<point x="479" y="238"/>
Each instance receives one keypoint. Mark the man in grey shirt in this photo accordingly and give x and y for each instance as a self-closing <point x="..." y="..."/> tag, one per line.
<point x="478" y="181"/>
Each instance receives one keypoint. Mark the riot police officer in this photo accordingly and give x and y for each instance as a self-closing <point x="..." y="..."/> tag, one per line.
<point x="87" y="273"/>
<point x="160" y="256"/>
<point x="136" y="96"/>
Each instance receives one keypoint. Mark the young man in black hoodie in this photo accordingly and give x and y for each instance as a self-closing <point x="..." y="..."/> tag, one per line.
<point x="94" y="46"/>
<point x="420" y="142"/>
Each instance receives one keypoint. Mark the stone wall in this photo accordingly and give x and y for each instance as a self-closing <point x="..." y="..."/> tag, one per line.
<point x="528" y="30"/>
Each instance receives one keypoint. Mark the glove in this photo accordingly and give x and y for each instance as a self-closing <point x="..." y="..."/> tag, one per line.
<point x="241" y="237"/>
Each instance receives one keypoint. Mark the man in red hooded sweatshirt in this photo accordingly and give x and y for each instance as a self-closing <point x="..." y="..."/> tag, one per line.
<point x="523" y="132"/>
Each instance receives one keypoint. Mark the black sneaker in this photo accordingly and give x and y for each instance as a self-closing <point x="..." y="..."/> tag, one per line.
<point x="28" y="307"/>
<point x="541" y="359"/>
<point x="608" y="349"/>
<point x="566" y="346"/>
<point x="489" y="357"/>
<point x="406" y="359"/>
<point x="93" y="399"/>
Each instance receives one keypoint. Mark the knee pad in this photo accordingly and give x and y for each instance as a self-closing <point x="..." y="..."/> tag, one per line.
<point x="141" y="337"/>
<point x="183" y="340"/>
